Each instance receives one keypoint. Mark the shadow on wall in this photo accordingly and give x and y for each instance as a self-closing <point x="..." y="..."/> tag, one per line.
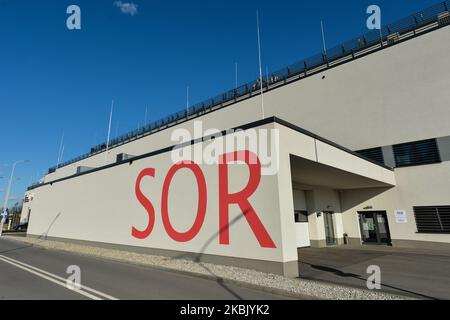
<point x="45" y="234"/>
<point x="351" y="199"/>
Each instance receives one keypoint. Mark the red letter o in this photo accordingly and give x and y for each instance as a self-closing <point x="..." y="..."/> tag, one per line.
<point x="202" y="199"/>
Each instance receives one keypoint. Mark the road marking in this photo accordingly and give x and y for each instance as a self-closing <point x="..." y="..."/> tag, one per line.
<point x="85" y="291"/>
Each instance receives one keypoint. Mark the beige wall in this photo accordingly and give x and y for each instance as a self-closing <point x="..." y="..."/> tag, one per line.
<point x="324" y="199"/>
<point x="101" y="206"/>
<point x="24" y="215"/>
<point x="396" y="95"/>
<point x="416" y="186"/>
<point x="318" y="200"/>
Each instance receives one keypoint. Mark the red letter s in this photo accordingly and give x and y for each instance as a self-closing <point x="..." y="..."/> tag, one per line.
<point x="146" y="204"/>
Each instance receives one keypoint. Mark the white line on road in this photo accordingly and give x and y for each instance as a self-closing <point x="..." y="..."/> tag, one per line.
<point x="85" y="291"/>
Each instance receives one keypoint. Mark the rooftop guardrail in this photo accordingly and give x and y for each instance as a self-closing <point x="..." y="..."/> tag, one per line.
<point x="366" y="41"/>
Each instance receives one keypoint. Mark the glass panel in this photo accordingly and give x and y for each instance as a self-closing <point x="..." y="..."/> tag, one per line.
<point x="383" y="228"/>
<point x="368" y="229"/>
<point x="301" y="216"/>
<point x="381" y="224"/>
<point x="329" y="229"/>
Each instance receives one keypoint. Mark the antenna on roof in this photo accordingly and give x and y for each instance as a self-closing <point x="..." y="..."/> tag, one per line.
<point x="109" y="130"/>
<point x="187" y="101"/>
<point x="145" y="119"/>
<point x="381" y="33"/>
<point x="62" y="153"/>
<point x="323" y="38"/>
<point x="59" y="152"/>
<point x="235" y="75"/>
<point x="260" y="65"/>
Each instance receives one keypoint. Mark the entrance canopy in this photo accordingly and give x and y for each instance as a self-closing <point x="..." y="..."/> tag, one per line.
<point x="312" y="173"/>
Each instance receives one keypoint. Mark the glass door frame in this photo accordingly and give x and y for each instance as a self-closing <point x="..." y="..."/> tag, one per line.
<point x="330" y="241"/>
<point x="374" y="215"/>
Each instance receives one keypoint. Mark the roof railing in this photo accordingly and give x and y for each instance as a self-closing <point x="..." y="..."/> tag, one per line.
<point x="368" y="40"/>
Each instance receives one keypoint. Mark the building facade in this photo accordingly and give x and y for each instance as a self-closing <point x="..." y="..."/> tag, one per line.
<point x="353" y="149"/>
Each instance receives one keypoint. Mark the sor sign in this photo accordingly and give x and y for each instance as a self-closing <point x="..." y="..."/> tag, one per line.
<point x="225" y="199"/>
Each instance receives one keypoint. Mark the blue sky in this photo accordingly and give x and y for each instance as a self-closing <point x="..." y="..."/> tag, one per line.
<point x="53" y="80"/>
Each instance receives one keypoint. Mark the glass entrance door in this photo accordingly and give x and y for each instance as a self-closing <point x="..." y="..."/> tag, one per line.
<point x="329" y="228"/>
<point x="374" y="227"/>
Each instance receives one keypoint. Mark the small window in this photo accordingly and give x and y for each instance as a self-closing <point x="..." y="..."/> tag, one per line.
<point x="301" y="216"/>
<point x="433" y="219"/>
<point x="82" y="169"/>
<point x="416" y="153"/>
<point x="374" y="154"/>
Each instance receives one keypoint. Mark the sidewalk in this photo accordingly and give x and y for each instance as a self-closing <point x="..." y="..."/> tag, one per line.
<point x="399" y="250"/>
<point x="419" y="273"/>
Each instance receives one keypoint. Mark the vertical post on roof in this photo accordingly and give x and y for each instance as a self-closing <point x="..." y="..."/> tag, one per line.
<point x="260" y="65"/>
<point x="323" y="38"/>
<point x="145" y="118"/>
<point x="116" y="129"/>
<point x="109" y="130"/>
<point x="59" y="151"/>
<point x="235" y="75"/>
<point x="62" y="154"/>
<point x="381" y="35"/>
<point x="187" y="102"/>
<point x="379" y="26"/>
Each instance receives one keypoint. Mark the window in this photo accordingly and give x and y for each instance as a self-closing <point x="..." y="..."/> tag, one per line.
<point x="416" y="153"/>
<point x="123" y="157"/>
<point x="375" y="154"/>
<point x="301" y="216"/>
<point x="433" y="219"/>
<point x="82" y="169"/>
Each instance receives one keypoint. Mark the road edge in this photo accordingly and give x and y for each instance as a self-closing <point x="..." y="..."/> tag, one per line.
<point x="363" y="294"/>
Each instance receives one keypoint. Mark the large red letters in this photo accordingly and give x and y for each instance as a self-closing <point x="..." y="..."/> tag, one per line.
<point x="241" y="198"/>
<point x="146" y="204"/>
<point x="225" y="200"/>
<point x="202" y="198"/>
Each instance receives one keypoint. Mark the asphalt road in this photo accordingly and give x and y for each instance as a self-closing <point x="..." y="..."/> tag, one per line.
<point x="420" y="273"/>
<point x="32" y="273"/>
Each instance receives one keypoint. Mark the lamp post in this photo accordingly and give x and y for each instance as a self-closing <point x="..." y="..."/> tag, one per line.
<point x="8" y="191"/>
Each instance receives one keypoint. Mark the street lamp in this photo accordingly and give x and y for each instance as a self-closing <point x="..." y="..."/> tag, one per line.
<point x="8" y="191"/>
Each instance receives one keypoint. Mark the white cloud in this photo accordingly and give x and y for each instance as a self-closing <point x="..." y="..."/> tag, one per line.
<point x="127" y="7"/>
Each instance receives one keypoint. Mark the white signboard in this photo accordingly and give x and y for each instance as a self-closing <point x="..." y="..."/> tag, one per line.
<point x="400" y="216"/>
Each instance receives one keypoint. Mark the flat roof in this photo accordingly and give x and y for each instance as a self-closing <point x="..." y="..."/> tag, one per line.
<point x="206" y="138"/>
